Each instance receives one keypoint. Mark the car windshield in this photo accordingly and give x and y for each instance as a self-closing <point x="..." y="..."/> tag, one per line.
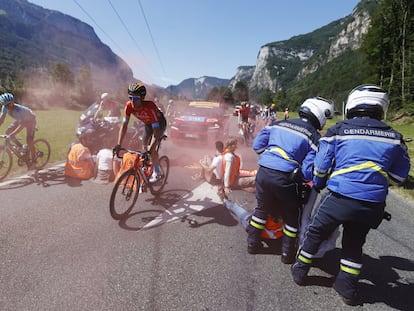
<point x="199" y="111"/>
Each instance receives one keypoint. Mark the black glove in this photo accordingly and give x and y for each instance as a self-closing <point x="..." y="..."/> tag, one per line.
<point x="146" y="155"/>
<point x="116" y="149"/>
<point x="304" y="193"/>
<point x="296" y="176"/>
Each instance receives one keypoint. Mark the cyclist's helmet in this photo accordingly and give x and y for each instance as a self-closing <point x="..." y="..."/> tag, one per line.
<point x="137" y="89"/>
<point x="243" y="104"/>
<point x="104" y="96"/>
<point x="367" y="100"/>
<point x="6" y="98"/>
<point x="316" y="110"/>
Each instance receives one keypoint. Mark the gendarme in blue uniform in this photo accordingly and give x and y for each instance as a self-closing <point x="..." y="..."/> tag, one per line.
<point x="287" y="145"/>
<point x="363" y="154"/>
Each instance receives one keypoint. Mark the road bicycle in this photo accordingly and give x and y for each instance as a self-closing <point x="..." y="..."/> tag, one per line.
<point x="11" y="147"/>
<point x="135" y="180"/>
<point x="246" y="130"/>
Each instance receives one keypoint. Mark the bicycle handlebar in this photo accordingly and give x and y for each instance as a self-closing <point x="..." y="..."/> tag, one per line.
<point x="144" y="155"/>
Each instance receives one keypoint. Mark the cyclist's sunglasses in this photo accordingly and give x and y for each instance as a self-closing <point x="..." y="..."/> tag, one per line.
<point x="134" y="98"/>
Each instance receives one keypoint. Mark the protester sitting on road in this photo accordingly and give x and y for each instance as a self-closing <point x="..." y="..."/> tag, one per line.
<point x="211" y="169"/>
<point x="357" y="160"/>
<point x="231" y="170"/>
<point x="286" y="150"/>
<point x="79" y="162"/>
<point x="106" y="166"/>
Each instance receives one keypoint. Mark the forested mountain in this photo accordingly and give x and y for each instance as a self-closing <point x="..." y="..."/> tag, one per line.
<point x="55" y="59"/>
<point x="48" y="45"/>
<point x="374" y="44"/>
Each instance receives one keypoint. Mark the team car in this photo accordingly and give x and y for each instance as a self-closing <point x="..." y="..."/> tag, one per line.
<point x="201" y="121"/>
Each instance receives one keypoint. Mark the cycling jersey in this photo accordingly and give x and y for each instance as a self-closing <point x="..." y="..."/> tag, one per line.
<point x="357" y="157"/>
<point x="20" y="113"/>
<point x="244" y="113"/>
<point x="149" y="113"/>
<point x="287" y="145"/>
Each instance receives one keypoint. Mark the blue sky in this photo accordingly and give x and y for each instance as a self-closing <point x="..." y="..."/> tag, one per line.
<point x="165" y="42"/>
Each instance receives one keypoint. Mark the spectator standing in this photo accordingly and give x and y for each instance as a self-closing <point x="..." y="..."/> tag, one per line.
<point x="286" y="114"/>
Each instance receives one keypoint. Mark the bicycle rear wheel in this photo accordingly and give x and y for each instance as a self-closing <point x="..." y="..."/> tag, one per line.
<point x="42" y="152"/>
<point x="157" y="186"/>
<point x="124" y="194"/>
<point x="6" y="162"/>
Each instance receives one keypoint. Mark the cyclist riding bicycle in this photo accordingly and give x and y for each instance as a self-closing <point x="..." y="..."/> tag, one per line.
<point x="243" y="119"/>
<point x="24" y="118"/>
<point x="153" y="118"/>
<point x="244" y="112"/>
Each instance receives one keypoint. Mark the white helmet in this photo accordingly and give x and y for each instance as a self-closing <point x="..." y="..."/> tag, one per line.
<point x="317" y="109"/>
<point x="367" y="100"/>
<point x="6" y="98"/>
<point x="171" y="101"/>
<point x="104" y="96"/>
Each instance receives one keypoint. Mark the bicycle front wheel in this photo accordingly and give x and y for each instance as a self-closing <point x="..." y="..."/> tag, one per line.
<point x="157" y="186"/>
<point x="124" y="194"/>
<point x="42" y="152"/>
<point x="6" y="162"/>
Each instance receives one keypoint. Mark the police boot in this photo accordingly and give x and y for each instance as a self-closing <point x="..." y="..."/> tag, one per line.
<point x="289" y="244"/>
<point x="254" y="240"/>
<point x="299" y="272"/>
<point x="346" y="286"/>
<point x="288" y="249"/>
<point x="301" y="267"/>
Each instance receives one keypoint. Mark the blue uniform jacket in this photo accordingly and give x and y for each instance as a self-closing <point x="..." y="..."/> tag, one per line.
<point x="286" y="145"/>
<point x="358" y="157"/>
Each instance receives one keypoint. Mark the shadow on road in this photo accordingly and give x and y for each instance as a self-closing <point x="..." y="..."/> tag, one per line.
<point x="45" y="178"/>
<point x="381" y="280"/>
<point x="176" y="206"/>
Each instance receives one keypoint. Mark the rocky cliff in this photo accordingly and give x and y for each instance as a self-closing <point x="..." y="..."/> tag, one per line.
<point x="280" y="63"/>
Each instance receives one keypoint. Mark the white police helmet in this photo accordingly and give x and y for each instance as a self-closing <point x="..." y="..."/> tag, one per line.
<point x="104" y="96"/>
<point x="367" y="100"/>
<point x="317" y="110"/>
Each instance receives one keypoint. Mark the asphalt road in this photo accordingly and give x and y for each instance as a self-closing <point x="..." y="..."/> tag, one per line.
<point x="61" y="250"/>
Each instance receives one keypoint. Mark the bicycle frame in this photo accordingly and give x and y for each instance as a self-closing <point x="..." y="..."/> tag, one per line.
<point x="144" y="166"/>
<point x="10" y="145"/>
<point x="134" y="180"/>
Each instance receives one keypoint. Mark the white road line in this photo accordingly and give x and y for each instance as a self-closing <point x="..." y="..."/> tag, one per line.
<point x="201" y="198"/>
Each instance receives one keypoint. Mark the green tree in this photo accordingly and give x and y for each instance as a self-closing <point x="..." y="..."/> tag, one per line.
<point x="240" y="92"/>
<point x="86" y="92"/>
<point x="389" y="49"/>
<point x="61" y="73"/>
<point x="266" y="97"/>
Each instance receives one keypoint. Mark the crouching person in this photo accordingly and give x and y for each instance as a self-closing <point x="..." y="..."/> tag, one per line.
<point x="357" y="159"/>
<point x="79" y="162"/>
<point x="287" y="151"/>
